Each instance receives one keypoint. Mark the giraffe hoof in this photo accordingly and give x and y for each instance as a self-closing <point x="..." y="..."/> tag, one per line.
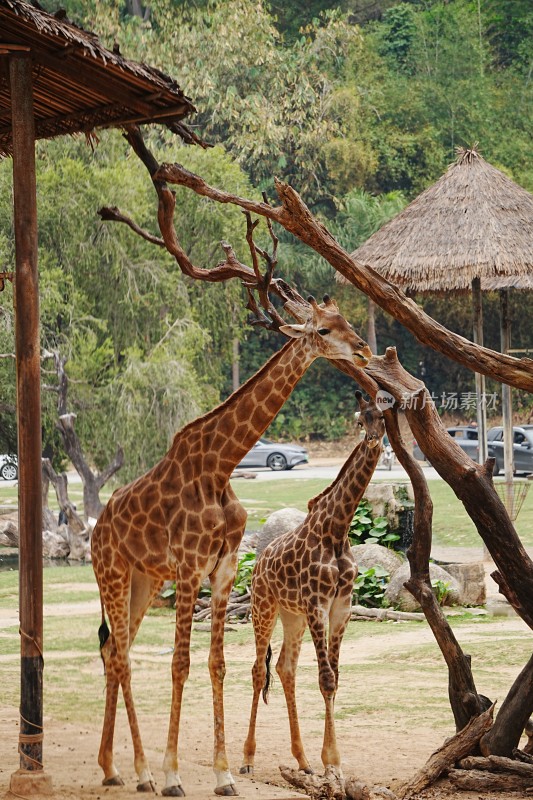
<point x="173" y="791"/>
<point x="308" y="771"/>
<point x="116" y="780"/>
<point x="228" y="790"/>
<point x="247" y="769"/>
<point x="147" y="786"/>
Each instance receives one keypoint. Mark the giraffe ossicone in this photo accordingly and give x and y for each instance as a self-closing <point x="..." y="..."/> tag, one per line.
<point x="305" y="577"/>
<point x="182" y="521"/>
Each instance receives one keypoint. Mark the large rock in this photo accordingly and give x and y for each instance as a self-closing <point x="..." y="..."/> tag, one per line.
<point x="398" y="596"/>
<point x="471" y="580"/>
<point x="55" y="545"/>
<point x="281" y="521"/>
<point x="370" y="555"/>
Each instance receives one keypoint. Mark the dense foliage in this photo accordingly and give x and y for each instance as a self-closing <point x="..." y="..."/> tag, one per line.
<point x="358" y="104"/>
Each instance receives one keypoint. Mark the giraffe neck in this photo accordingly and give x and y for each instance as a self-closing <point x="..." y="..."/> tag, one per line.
<point x="338" y="502"/>
<point x="229" y="431"/>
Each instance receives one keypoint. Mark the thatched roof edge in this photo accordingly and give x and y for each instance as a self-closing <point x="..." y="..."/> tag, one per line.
<point x="473" y="222"/>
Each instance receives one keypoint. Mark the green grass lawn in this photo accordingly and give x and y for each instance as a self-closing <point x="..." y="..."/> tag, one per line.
<point x="72" y="650"/>
<point x="451" y="524"/>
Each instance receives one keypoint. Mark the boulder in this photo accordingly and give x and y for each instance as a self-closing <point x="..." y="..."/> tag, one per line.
<point x="55" y="545"/>
<point x="471" y="580"/>
<point x="369" y="555"/>
<point x="281" y="521"/>
<point x="398" y="596"/>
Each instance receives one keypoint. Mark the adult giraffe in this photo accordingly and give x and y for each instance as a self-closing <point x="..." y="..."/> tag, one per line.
<point x="182" y="521"/>
<point x="306" y="577"/>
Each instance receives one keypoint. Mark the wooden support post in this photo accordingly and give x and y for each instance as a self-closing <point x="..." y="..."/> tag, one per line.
<point x="507" y="406"/>
<point x="31" y="774"/>
<point x="480" y="379"/>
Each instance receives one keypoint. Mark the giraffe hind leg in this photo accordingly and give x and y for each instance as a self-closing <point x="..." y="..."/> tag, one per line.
<point x="125" y="609"/>
<point x="264" y="617"/>
<point x="293" y="630"/>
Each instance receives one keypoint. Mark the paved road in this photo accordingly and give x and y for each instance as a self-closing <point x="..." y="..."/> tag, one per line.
<point x="330" y="471"/>
<point x="312" y="470"/>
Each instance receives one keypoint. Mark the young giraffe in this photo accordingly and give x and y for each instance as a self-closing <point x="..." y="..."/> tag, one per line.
<point x="182" y="521"/>
<point x="306" y="576"/>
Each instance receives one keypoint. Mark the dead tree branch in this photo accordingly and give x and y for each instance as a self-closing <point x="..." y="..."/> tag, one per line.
<point x="296" y="218"/>
<point x="464" y="699"/>
<point x="231" y="267"/>
<point x="451" y="751"/>
<point x="472" y="483"/>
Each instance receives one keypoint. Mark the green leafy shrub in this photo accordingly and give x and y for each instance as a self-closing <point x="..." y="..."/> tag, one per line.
<point x="367" y="530"/>
<point x="440" y="590"/>
<point x="243" y="577"/>
<point x="369" y="587"/>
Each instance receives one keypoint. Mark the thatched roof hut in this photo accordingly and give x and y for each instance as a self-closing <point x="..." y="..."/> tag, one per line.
<point x="474" y="222"/>
<point x="79" y="84"/>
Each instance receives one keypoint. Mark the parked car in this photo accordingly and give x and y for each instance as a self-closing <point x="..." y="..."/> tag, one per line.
<point x="522" y="448"/>
<point x="277" y="456"/>
<point x="8" y="467"/>
<point x="465" y="436"/>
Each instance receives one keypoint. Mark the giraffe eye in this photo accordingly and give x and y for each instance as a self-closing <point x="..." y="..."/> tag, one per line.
<point x="324" y="331"/>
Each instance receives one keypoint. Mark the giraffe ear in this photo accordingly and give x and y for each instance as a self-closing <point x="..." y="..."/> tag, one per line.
<point x="294" y="331"/>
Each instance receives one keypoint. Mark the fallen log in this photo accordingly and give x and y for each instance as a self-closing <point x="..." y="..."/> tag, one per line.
<point x="329" y="786"/>
<point x="386" y="613"/>
<point x="481" y="781"/>
<point x="497" y="764"/>
<point x="455" y="748"/>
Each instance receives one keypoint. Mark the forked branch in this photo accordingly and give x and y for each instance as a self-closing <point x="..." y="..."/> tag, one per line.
<point x="251" y="277"/>
<point x="296" y="218"/>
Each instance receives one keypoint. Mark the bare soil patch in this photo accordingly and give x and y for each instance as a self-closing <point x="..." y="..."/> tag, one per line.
<point x="389" y="719"/>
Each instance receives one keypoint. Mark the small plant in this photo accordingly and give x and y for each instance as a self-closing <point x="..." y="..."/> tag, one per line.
<point x="365" y="530"/>
<point x="441" y="590"/>
<point x="243" y="577"/>
<point x="369" y="587"/>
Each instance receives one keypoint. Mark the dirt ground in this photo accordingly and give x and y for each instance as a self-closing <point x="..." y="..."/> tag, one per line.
<point x="383" y="743"/>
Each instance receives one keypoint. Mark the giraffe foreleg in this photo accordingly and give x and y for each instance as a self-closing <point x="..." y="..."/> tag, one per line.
<point x="222" y="579"/>
<point x="293" y="631"/>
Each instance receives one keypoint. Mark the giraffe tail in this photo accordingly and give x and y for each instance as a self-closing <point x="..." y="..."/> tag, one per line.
<point x="269" y="677"/>
<point x="103" y="630"/>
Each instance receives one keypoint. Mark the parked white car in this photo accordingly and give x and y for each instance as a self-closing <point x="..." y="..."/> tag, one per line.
<point x="8" y="467"/>
<point x="275" y="455"/>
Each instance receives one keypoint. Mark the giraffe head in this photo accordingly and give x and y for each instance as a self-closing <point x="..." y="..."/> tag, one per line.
<point x="329" y="333"/>
<point x="371" y="419"/>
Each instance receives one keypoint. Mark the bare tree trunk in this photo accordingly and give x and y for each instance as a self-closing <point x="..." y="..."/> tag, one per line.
<point x="512" y="717"/>
<point x="49" y="519"/>
<point x="92" y="482"/>
<point x="472" y="483"/>
<point x="371" y="327"/>
<point x="464" y="699"/>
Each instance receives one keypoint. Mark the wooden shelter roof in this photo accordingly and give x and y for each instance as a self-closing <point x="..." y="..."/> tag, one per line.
<point x="80" y="85"/>
<point x="474" y="222"/>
